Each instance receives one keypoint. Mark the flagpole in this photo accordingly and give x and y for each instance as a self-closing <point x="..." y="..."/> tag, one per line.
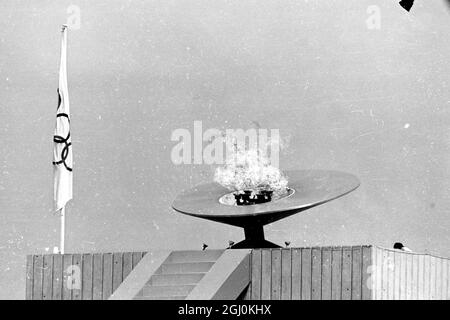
<point x="63" y="87"/>
<point x="63" y="230"/>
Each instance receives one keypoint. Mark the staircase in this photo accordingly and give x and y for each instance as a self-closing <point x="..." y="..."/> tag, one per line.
<point x="178" y="275"/>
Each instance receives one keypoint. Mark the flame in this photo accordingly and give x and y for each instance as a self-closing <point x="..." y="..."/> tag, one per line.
<point x="250" y="170"/>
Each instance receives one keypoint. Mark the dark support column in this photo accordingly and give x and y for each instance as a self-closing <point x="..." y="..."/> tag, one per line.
<point x="254" y="233"/>
<point x="254" y="238"/>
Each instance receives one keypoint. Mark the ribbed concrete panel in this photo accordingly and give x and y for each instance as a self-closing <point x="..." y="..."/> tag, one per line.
<point x="89" y="276"/>
<point x="338" y="273"/>
<point x="317" y="273"/>
<point x="400" y="275"/>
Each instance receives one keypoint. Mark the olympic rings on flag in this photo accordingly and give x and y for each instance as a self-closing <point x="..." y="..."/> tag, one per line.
<point x="59" y="139"/>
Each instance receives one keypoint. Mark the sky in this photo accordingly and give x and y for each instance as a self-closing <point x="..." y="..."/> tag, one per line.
<point x="354" y="86"/>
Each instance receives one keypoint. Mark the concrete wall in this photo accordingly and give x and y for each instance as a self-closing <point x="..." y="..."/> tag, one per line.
<point x="344" y="273"/>
<point x="77" y="276"/>
<point x="336" y="273"/>
<point x="400" y="275"/>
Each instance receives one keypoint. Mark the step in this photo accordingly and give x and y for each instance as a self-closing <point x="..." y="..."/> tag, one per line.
<point x="175" y="279"/>
<point x="161" y="298"/>
<point x="187" y="267"/>
<point x="194" y="256"/>
<point x="162" y="291"/>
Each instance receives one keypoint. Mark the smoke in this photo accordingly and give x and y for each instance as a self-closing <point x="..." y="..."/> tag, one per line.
<point x="250" y="169"/>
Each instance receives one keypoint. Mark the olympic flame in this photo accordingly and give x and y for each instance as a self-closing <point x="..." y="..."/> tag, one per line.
<point x="250" y="170"/>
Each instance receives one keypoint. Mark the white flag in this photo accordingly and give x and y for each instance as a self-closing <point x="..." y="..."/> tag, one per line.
<point x="62" y="151"/>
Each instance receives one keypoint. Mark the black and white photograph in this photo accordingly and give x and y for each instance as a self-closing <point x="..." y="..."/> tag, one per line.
<point x="245" y="151"/>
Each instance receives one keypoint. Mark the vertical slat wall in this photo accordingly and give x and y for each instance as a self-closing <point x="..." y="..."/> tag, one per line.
<point x="91" y="276"/>
<point x="338" y="273"/>
<point x="399" y="275"/>
<point x="318" y="273"/>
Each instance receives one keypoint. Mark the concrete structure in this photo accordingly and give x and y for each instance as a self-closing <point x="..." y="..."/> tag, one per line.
<point x="338" y="273"/>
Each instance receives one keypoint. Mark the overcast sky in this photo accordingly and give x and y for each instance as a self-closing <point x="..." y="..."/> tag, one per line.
<point x="346" y="94"/>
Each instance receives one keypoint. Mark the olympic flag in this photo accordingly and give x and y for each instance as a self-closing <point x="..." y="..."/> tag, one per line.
<point x="62" y="151"/>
